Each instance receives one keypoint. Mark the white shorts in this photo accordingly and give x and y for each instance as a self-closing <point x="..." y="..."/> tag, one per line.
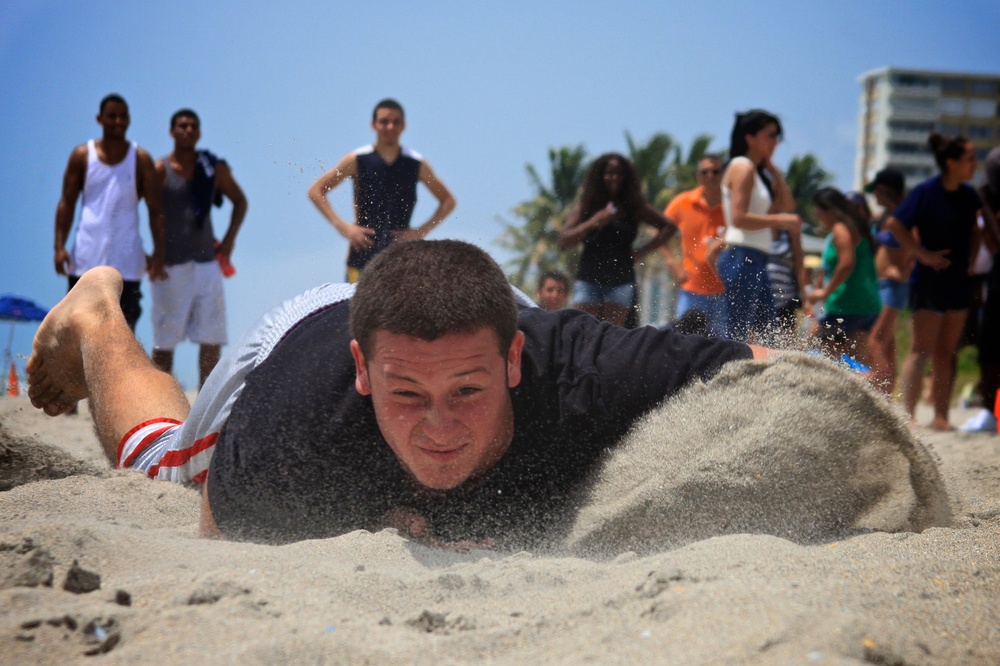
<point x="189" y="304"/>
<point x="168" y="450"/>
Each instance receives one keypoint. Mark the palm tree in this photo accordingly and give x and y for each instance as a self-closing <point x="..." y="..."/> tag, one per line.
<point x="534" y="237"/>
<point x="685" y="173"/>
<point x="650" y="161"/>
<point x="663" y="178"/>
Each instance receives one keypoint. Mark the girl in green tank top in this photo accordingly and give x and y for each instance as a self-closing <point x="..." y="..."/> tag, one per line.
<point x="851" y="287"/>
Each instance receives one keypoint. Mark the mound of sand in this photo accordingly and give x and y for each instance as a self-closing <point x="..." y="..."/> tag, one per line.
<point x="797" y="448"/>
<point x="24" y="459"/>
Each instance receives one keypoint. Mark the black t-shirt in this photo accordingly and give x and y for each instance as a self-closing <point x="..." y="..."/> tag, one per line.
<point x="302" y="457"/>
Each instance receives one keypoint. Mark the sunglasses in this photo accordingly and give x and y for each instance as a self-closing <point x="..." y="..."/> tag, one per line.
<point x="709" y="172"/>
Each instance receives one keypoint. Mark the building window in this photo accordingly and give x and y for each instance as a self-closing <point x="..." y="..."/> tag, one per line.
<point x="911" y="125"/>
<point x="952" y="106"/>
<point x="903" y="147"/>
<point x="953" y="85"/>
<point x="985" y="87"/>
<point x="912" y="172"/>
<point x="982" y="108"/>
<point x="912" y="80"/>
<point x="903" y="104"/>
<point x="980" y="131"/>
<point x="953" y="129"/>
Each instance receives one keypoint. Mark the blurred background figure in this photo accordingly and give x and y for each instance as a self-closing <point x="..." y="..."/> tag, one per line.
<point x="553" y="290"/>
<point x="787" y="272"/>
<point x="698" y="215"/>
<point x="755" y="200"/>
<point x="893" y="265"/>
<point x="385" y="176"/>
<point x="850" y="290"/>
<point x="943" y="210"/>
<point x="606" y="218"/>
<point x="989" y="322"/>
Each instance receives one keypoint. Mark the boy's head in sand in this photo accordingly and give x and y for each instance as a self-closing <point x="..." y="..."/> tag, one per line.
<point x="438" y="363"/>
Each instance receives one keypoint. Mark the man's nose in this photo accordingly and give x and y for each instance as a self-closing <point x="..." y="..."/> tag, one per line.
<point x="440" y="424"/>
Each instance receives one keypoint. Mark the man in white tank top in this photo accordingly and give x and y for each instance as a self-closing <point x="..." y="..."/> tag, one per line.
<point x="112" y="173"/>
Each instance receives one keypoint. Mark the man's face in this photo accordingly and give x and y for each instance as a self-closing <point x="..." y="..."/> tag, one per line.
<point x="710" y="174"/>
<point x="552" y="294"/>
<point x="388" y="125"/>
<point x="186" y="132"/>
<point x="885" y="196"/>
<point x="114" y="120"/>
<point x="443" y="406"/>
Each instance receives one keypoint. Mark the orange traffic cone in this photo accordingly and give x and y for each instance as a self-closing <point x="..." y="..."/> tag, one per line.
<point x="13" y="389"/>
<point x="996" y="411"/>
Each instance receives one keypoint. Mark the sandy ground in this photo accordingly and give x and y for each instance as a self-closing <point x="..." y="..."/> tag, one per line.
<point x="167" y="597"/>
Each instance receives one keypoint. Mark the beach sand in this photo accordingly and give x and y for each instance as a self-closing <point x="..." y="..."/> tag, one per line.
<point x="704" y="593"/>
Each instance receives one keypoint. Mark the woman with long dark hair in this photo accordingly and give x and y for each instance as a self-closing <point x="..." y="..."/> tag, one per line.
<point x="606" y="218"/>
<point x="850" y="288"/>
<point x="943" y="210"/>
<point x="755" y="200"/>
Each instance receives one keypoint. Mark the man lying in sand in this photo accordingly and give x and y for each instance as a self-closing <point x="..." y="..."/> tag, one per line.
<point x="431" y="398"/>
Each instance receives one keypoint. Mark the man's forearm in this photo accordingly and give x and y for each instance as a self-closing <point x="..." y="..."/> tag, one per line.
<point x="64" y="222"/>
<point x="444" y="209"/>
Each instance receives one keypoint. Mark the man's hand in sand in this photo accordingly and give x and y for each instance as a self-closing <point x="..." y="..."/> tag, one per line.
<point x="56" y="378"/>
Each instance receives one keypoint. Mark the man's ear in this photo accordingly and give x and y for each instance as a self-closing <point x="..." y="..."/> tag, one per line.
<point x="361" y="381"/>
<point x="514" y="360"/>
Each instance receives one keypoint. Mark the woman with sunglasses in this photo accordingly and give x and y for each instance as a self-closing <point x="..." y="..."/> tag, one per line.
<point x="943" y="210"/>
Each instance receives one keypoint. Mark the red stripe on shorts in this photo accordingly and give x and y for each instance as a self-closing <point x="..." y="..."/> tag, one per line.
<point x="121" y="444"/>
<point x="180" y="457"/>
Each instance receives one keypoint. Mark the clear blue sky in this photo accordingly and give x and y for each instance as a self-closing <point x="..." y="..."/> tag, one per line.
<point x="286" y="89"/>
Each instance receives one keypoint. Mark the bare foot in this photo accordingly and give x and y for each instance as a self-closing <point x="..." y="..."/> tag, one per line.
<point x="56" y="377"/>
<point x="940" y="425"/>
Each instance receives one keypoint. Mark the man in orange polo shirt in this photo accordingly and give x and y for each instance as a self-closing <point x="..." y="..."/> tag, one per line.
<point x="698" y="214"/>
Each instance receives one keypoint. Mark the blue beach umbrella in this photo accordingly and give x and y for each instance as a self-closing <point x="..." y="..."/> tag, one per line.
<point x="15" y="309"/>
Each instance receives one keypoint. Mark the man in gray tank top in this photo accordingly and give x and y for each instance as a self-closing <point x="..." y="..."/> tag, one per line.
<point x="190" y="303"/>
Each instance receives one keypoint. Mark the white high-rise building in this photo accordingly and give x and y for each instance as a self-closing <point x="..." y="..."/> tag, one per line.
<point x="901" y="107"/>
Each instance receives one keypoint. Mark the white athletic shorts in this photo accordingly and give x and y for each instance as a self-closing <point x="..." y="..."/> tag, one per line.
<point x="169" y="450"/>
<point x="190" y="304"/>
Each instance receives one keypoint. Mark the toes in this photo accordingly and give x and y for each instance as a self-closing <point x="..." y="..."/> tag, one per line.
<point x="38" y="377"/>
<point x="39" y="388"/>
<point x="34" y="364"/>
<point x="43" y="398"/>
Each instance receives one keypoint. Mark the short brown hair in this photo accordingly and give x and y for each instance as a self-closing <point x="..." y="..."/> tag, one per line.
<point x="429" y="289"/>
<point x="388" y="103"/>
